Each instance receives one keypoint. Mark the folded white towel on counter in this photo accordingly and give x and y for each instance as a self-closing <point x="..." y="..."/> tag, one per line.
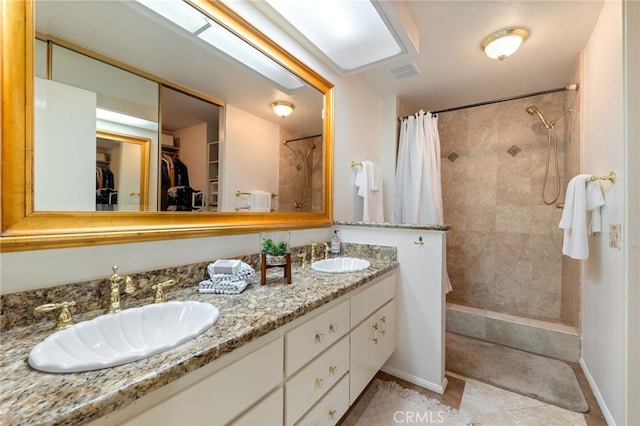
<point x="245" y="273"/>
<point x="222" y="287"/>
<point x="582" y="196"/>
<point x="260" y="201"/>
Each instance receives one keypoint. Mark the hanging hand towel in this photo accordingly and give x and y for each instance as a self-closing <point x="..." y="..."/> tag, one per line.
<point x="260" y="201"/>
<point x="369" y="183"/>
<point x="574" y="215"/>
<point x="595" y="201"/>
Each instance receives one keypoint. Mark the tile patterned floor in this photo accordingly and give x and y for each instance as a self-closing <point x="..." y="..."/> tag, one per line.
<point x="491" y="406"/>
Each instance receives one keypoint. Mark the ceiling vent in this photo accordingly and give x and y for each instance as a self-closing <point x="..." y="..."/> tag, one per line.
<point x="404" y="71"/>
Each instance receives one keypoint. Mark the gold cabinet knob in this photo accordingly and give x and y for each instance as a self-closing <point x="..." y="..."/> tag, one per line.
<point x="159" y="288"/>
<point x="332" y="370"/>
<point x="319" y="382"/>
<point x="333" y="328"/>
<point x="332" y="414"/>
<point x="319" y="337"/>
<point x="65" y="318"/>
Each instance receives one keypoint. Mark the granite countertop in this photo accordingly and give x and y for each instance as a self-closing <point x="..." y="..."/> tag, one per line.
<point x="393" y="225"/>
<point x="33" y="397"/>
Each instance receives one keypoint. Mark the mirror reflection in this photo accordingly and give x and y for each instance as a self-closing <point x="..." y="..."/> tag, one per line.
<point x="211" y="141"/>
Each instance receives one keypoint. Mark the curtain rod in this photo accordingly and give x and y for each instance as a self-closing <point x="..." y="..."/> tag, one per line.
<point x="544" y="92"/>
<point x="303" y="138"/>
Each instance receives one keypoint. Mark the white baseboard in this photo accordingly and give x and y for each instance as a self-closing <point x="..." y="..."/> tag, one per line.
<point x="596" y="392"/>
<point x="436" y="387"/>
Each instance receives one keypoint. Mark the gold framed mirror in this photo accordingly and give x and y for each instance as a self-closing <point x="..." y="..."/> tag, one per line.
<point x="25" y="228"/>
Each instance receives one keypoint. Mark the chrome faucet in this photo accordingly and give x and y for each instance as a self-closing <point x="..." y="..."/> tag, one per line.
<point x="116" y="281"/>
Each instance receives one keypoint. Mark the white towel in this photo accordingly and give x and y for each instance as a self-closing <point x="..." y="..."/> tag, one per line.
<point x="222" y="287"/>
<point x="595" y="201"/>
<point x="369" y="183"/>
<point x="582" y="196"/>
<point x="260" y="201"/>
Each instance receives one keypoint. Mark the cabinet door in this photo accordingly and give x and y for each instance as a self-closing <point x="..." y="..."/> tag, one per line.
<point x="372" y="343"/>
<point x="222" y="396"/>
<point x="267" y="412"/>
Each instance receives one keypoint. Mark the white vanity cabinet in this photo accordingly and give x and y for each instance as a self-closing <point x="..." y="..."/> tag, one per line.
<point x="217" y="399"/>
<point x="373" y="339"/>
<point x="308" y="371"/>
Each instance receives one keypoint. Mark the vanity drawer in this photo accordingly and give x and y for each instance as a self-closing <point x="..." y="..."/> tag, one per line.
<point x="331" y="407"/>
<point x="367" y="302"/>
<point x="308" y="340"/>
<point x="307" y="386"/>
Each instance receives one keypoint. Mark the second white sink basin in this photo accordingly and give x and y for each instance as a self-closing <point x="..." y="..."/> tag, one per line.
<point x="129" y="335"/>
<point x="338" y="265"/>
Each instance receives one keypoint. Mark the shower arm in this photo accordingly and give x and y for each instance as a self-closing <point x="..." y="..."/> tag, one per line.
<point x="559" y="116"/>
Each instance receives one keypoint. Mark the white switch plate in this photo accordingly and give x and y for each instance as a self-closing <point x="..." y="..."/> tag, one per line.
<point x="614" y="235"/>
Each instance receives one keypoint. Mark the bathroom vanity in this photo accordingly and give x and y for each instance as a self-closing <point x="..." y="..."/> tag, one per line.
<point x="279" y="354"/>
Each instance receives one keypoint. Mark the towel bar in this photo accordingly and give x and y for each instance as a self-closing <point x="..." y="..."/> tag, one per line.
<point x="355" y="164"/>
<point x="611" y="176"/>
<point x="240" y="193"/>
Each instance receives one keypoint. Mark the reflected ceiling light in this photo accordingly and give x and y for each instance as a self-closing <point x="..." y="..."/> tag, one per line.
<point x="190" y="19"/>
<point x="178" y="12"/>
<point x="504" y="43"/>
<point x="128" y="120"/>
<point x="351" y="33"/>
<point x="234" y="46"/>
<point x="282" y="108"/>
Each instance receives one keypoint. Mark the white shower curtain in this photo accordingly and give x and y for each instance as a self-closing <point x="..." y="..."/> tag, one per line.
<point x="417" y="196"/>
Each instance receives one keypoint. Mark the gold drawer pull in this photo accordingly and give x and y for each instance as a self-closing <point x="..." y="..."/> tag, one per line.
<point x="383" y="329"/>
<point x="319" y="382"/>
<point x="333" y="328"/>
<point x="332" y="413"/>
<point x="319" y="337"/>
<point x="375" y="333"/>
<point x="332" y="370"/>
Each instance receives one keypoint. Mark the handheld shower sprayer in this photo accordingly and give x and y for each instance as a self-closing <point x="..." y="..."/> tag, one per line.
<point x="533" y="110"/>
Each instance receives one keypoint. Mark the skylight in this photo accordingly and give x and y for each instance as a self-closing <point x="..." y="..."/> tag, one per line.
<point x="351" y="33"/>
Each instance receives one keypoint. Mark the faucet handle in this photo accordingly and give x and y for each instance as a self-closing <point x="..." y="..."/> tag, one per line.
<point x="159" y="288"/>
<point x="326" y="250"/>
<point x="65" y="319"/>
<point x="303" y="259"/>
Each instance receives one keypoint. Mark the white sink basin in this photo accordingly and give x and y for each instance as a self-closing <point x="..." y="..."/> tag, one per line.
<point x="339" y="265"/>
<point x="126" y="336"/>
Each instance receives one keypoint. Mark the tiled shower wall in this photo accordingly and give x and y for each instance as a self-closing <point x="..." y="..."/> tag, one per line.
<point x="295" y="193"/>
<point x="504" y="252"/>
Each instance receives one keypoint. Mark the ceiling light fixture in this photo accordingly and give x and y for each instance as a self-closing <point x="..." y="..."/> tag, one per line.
<point x="282" y="108"/>
<point x="504" y="43"/>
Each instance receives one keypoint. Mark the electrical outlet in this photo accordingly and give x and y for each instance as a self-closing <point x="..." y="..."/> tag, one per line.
<point x="614" y="235"/>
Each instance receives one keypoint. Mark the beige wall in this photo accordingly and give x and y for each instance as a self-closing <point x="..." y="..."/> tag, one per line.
<point x="570" y="294"/>
<point x="504" y="252"/>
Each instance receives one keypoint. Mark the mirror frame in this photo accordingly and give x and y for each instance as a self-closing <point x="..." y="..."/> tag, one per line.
<point x="144" y="160"/>
<point x="26" y="229"/>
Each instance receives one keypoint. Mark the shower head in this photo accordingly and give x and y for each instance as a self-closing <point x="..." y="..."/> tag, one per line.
<point x="533" y="110"/>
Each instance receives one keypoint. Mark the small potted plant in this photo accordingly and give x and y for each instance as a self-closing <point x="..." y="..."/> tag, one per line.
<point x="275" y="246"/>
